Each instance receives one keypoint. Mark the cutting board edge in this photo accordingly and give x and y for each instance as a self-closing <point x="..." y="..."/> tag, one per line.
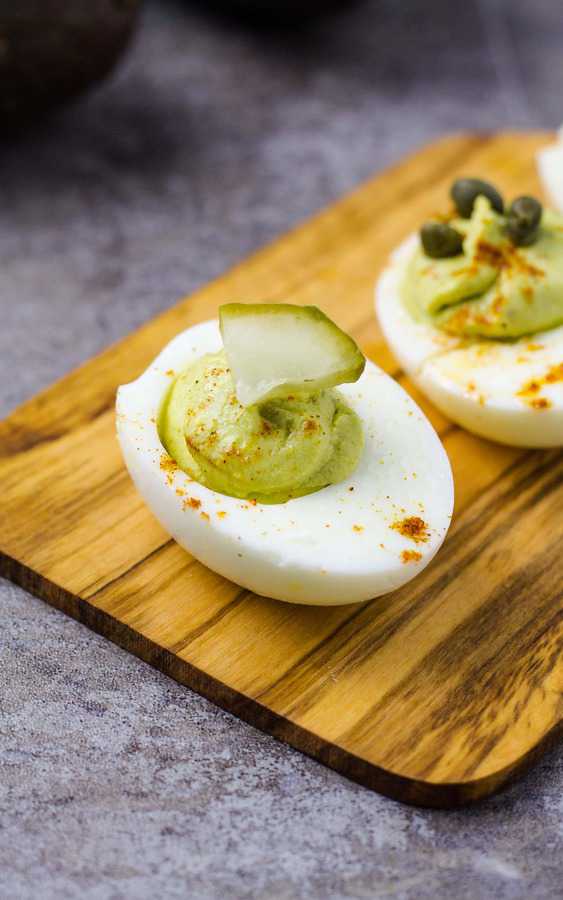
<point x="414" y="792"/>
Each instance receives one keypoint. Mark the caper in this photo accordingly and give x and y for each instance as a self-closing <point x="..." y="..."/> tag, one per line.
<point x="524" y="217"/>
<point x="440" y="240"/>
<point x="465" y="191"/>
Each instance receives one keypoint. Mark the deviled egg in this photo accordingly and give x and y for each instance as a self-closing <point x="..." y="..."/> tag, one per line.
<point x="248" y="455"/>
<point x="472" y="308"/>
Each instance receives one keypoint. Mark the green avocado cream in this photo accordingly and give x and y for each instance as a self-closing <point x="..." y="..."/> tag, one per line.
<point x="494" y="289"/>
<point x="271" y="452"/>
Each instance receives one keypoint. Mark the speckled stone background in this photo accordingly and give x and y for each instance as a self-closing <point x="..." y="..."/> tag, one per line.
<point x="210" y="140"/>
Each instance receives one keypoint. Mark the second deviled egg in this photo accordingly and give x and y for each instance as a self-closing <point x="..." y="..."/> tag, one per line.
<point x="473" y="310"/>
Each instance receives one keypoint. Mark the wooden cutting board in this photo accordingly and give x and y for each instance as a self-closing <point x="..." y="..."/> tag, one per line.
<point x="435" y="695"/>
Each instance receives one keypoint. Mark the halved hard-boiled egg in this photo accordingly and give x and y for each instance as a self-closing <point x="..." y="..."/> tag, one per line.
<point x="452" y="312"/>
<point x="216" y="444"/>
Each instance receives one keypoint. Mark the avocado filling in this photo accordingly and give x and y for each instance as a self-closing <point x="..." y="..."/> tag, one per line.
<point x="493" y="289"/>
<point x="270" y="452"/>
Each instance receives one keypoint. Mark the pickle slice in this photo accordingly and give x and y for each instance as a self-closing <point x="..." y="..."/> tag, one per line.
<point x="276" y="350"/>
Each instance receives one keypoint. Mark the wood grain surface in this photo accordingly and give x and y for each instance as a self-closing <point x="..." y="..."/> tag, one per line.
<point x="436" y="694"/>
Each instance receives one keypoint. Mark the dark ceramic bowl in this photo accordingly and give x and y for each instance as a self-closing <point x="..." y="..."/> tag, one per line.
<point x="276" y="11"/>
<point x="53" y="50"/>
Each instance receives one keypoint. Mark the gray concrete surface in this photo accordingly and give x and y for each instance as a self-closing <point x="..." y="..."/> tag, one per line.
<point x="115" y="782"/>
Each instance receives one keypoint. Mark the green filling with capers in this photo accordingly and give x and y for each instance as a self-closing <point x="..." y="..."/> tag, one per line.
<point x="488" y="272"/>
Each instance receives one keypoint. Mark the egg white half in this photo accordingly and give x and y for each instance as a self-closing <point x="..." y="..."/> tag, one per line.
<point x="485" y="386"/>
<point x="550" y="168"/>
<point x="335" y="546"/>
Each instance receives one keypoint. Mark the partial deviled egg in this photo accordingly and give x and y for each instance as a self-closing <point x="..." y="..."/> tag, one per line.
<point x="459" y="315"/>
<point x="301" y="493"/>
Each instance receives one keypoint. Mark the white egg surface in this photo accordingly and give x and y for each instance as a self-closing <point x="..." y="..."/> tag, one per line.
<point x="550" y="168"/>
<point x="343" y="544"/>
<point x="509" y="392"/>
